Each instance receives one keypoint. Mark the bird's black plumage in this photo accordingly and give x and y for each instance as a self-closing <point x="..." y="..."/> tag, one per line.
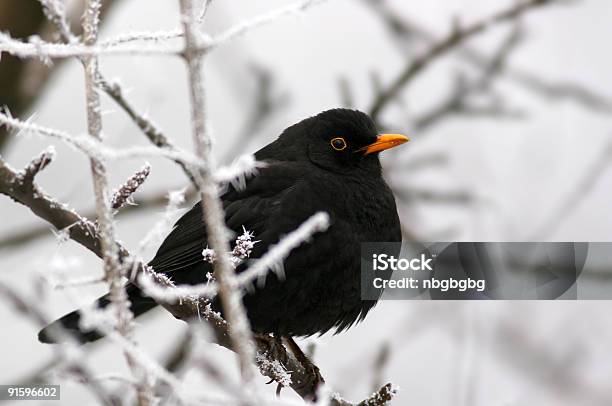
<point x="307" y="170"/>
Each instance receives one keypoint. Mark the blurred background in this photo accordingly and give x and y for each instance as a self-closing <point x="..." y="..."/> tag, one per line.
<point x="511" y="140"/>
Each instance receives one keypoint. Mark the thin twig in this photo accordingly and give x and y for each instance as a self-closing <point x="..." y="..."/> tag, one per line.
<point x="456" y="36"/>
<point x="408" y="31"/>
<point x="38" y="164"/>
<point x="94" y="148"/>
<point x="56" y="14"/>
<point x="212" y="210"/>
<point x="146" y="125"/>
<point x="271" y="260"/>
<point x="457" y="101"/>
<point x="125" y="192"/>
<point x="70" y="356"/>
<point x="234" y="174"/>
<point x="37" y="48"/>
<point x="84" y="232"/>
<point x="266" y="18"/>
<point x="112" y="268"/>
<point x="585" y="184"/>
<point x="113" y="271"/>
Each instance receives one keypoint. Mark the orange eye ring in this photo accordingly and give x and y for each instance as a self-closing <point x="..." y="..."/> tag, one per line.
<point x="338" y="143"/>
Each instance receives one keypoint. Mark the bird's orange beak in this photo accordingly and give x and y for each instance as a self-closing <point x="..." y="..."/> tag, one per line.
<point x="384" y="141"/>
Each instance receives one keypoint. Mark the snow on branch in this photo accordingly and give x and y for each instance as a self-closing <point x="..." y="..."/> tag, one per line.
<point x="264" y="19"/>
<point x="101" y="239"/>
<point x="150" y="36"/>
<point x="382" y="397"/>
<point x="271" y="260"/>
<point x="56" y="14"/>
<point x="94" y="148"/>
<point x="69" y="356"/>
<point x="212" y="208"/>
<point x="38" y="164"/>
<point x="238" y="172"/>
<point x="125" y="192"/>
<point x="122" y="44"/>
<point x="37" y="48"/>
<point x="81" y="230"/>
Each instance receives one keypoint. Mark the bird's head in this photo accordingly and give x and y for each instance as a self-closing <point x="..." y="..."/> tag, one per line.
<point x="339" y="140"/>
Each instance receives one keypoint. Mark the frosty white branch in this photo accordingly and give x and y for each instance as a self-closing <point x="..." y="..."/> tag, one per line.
<point x="70" y="356"/>
<point x="84" y="232"/>
<point x="93" y="147"/>
<point x="271" y="260"/>
<point x="113" y="270"/>
<point x="39" y="49"/>
<point x="123" y="44"/>
<point x="125" y="192"/>
<point x="55" y="13"/>
<point x="212" y="209"/>
<point x="100" y="237"/>
<point x="154" y="36"/>
<point x="246" y="26"/>
<point x="243" y="166"/>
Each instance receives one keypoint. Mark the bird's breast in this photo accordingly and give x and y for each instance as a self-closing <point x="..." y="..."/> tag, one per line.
<point x="367" y="206"/>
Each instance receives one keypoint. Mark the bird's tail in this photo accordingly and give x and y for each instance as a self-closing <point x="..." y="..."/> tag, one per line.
<point x="70" y="323"/>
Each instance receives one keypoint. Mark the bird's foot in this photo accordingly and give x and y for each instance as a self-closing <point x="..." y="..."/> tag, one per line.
<point x="310" y="368"/>
<point x="275" y="349"/>
<point x="313" y="371"/>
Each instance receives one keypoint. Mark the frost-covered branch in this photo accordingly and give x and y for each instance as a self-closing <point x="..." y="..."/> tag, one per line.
<point x="457" y="101"/>
<point x="382" y="397"/>
<point x="150" y="36"/>
<point x="406" y="31"/>
<point x="275" y="255"/>
<point x="63" y="218"/>
<point x="100" y="237"/>
<point x="457" y="36"/>
<point x="69" y="357"/>
<point x="266" y="18"/>
<point x="84" y="232"/>
<point x="125" y="192"/>
<point x="272" y="260"/>
<point x="55" y="13"/>
<point x="238" y="172"/>
<point x="94" y="148"/>
<point x="239" y="327"/>
<point x="37" y="164"/>
<point x="123" y="44"/>
<point x="113" y="270"/>
<point x="146" y="125"/>
<point x="45" y="51"/>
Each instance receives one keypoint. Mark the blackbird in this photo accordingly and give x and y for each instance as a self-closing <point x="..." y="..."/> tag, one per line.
<point x="328" y="162"/>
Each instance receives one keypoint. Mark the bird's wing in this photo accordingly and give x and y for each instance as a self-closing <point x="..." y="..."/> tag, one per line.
<point x="258" y="208"/>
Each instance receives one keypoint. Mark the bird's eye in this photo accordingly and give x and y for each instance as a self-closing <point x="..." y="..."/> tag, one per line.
<point x="338" y="143"/>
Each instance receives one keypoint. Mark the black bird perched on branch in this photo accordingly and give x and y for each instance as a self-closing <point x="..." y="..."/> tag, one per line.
<point x="328" y="163"/>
